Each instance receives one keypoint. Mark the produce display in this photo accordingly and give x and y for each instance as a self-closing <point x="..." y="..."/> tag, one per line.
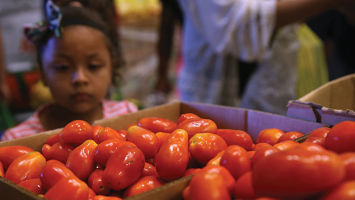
<point x="86" y="161"/>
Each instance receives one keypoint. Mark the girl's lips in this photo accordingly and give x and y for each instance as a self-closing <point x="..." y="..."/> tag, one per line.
<point x="81" y="96"/>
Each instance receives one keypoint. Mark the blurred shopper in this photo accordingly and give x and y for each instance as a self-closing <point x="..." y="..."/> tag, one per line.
<point x="217" y="34"/>
<point x="76" y="56"/>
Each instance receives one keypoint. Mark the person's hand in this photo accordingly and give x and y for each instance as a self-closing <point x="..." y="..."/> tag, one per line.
<point x="5" y="94"/>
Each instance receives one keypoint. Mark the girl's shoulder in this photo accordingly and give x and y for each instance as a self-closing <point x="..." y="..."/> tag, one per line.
<point x="29" y="127"/>
<point x="117" y="108"/>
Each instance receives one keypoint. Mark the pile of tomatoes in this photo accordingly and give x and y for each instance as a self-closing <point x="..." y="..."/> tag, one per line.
<point x="95" y="162"/>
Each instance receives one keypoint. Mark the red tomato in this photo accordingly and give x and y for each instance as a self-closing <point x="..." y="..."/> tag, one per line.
<point x="310" y="167"/>
<point x="187" y="116"/>
<point x="349" y="162"/>
<point x="144" y="139"/>
<point x="10" y="153"/>
<point x="123" y="133"/>
<point x="76" y="132"/>
<point x="2" y="172"/>
<point x="96" y="129"/>
<point x="344" y="191"/>
<point x="173" y="156"/>
<point x="149" y="170"/>
<point x="81" y="159"/>
<point x="53" y="172"/>
<point x="57" y="151"/>
<point x="262" y="152"/>
<point x="162" y="137"/>
<point x="26" y="167"/>
<point x="102" y="197"/>
<point x="108" y="147"/>
<point x="207" y="185"/>
<point x="108" y="133"/>
<point x="251" y="154"/>
<point x="236" y="160"/>
<point x="53" y="139"/>
<point x="96" y="184"/>
<point x="236" y="137"/>
<point x="216" y="160"/>
<point x="228" y="178"/>
<point x="204" y="146"/>
<point x="270" y="136"/>
<point x="341" y="138"/>
<point x="34" y="185"/>
<point x="286" y="144"/>
<point x="192" y="171"/>
<point x="68" y="188"/>
<point x="261" y="145"/>
<point x="318" y="135"/>
<point x="157" y="124"/>
<point x="243" y="187"/>
<point x="124" y="168"/>
<point x="193" y="126"/>
<point x="144" y="184"/>
<point x="290" y="136"/>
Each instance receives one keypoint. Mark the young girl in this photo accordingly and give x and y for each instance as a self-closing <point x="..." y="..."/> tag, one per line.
<point x="75" y="55"/>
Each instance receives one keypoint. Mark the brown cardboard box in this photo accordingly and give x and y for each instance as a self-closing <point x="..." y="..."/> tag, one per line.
<point x="225" y="117"/>
<point x="329" y="104"/>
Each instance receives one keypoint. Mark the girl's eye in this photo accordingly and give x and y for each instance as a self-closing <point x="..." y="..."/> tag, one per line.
<point x="61" y="68"/>
<point x="94" y="66"/>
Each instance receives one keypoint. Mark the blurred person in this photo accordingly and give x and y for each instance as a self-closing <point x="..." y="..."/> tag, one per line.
<point x="75" y="55"/>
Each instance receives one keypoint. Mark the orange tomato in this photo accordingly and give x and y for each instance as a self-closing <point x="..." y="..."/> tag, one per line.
<point x="145" y="140"/>
<point x="318" y="135"/>
<point x="236" y="137"/>
<point x="108" y="133"/>
<point x="68" y="188"/>
<point x="95" y="182"/>
<point x="2" y="172"/>
<point x="262" y="152"/>
<point x="344" y="191"/>
<point x="53" y="139"/>
<point x="349" y="162"/>
<point x="204" y="146"/>
<point x="187" y="116"/>
<point x="216" y="160"/>
<point x="124" y="168"/>
<point x="341" y="138"/>
<point x="144" y="184"/>
<point x="157" y="124"/>
<point x="10" y="153"/>
<point x="81" y="159"/>
<point x="26" y="167"/>
<point x="57" y="151"/>
<point x="53" y="172"/>
<point x="290" y="136"/>
<point x="193" y="126"/>
<point x="149" y="170"/>
<point x="102" y="197"/>
<point x="162" y="137"/>
<point x="76" y="132"/>
<point x="34" y="185"/>
<point x="286" y="144"/>
<point x="173" y="156"/>
<point x="270" y="136"/>
<point x="243" y="187"/>
<point x="310" y="167"/>
<point x="236" y="160"/>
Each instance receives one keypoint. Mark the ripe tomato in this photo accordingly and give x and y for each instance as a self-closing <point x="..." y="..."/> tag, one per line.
<point x="290" y="136"/>
<point x="236" y="137"/>
<point x="318" y="135"/>
<point x="216" y="160"/>
<point x="344" y="191"/>
<point x="145" y="140"/>
<point x="2" y="172"/>
<point x="10" y="153"/>
<point x="193" y="126"/>
<point x="302" y="165"/>
<point x="57" y="151"/>
<point x="26" y="167"/>
<point x="243" y="187"/>
<point x="349" y="162"/>
<point x="341" y="138"/>
<point x="81" y="159"/>
<point x="53" y="139"/>
<point x="149" y="170"/>
<point x="192" y="171"/>
<point x="173" y="156"/>
<point x="108" y="147"/>
<point x="76" y="132"/>
<point x="204" y="146"/>
<point x="236" y="160"/>
<point x="270" y="136"/>
<point x="102" y="197"/>
<point x="228" y="178"/>
<point x="262" y="152"/>
<point x="162" y="137"/>
<point x="286" y="144"/>
<point x="108" y="133"/>
<point x="124" y="168"/>
<point x="123" y="133"/>
<point x="34" y="185"/>
<point x="144" y="184"/>
<point x="186" y="116"/>
<point x="68" y="188"/>
<point x="53" y="172"/>
<point x="157" y="124"/>
<point x="95" y="182"/>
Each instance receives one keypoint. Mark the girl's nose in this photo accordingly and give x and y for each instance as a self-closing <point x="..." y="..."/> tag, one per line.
<point x="80" y="76"/>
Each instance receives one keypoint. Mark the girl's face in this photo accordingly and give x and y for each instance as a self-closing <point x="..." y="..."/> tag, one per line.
<point x="77" y="68"/>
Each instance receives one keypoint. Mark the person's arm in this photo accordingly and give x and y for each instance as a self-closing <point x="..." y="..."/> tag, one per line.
<point x="4" y="91"/>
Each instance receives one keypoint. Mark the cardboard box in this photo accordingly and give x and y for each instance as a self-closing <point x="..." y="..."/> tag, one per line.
<point x="330" y="104"/>
<point x="225" y="117"/>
